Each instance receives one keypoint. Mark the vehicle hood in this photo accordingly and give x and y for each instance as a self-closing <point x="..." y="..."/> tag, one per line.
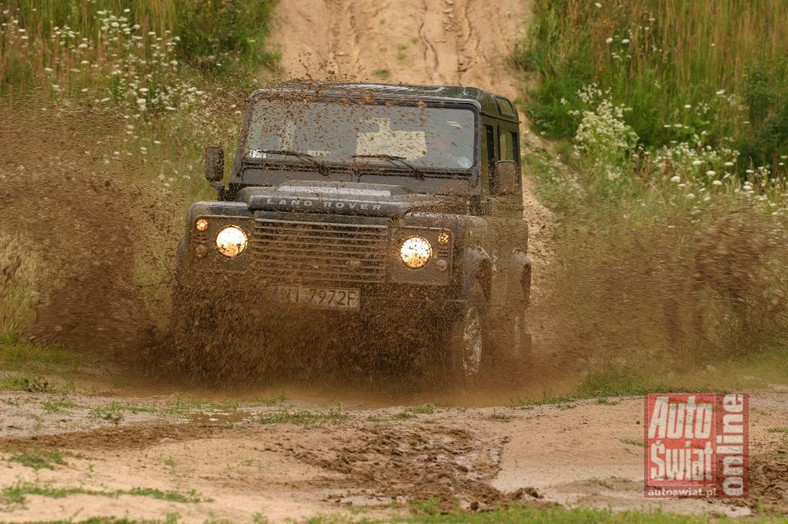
<point x="347" y="198"/>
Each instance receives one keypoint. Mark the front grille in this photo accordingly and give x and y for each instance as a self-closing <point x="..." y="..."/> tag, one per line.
<point x="319" y="252"/>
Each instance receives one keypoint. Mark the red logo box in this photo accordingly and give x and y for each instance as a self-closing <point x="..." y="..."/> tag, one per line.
<point x="696" y="445"/>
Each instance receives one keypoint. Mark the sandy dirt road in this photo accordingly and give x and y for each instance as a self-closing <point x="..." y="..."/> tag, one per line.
<point x="456" y="42"/>
<point x="147" y="458"/>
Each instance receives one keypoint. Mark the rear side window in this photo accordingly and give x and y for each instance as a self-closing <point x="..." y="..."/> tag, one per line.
<point x="504" y="106"/>
<point x="508" y="141"/>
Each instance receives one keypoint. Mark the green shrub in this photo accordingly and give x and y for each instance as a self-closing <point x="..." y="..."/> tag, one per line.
<point x="681" y="67"/>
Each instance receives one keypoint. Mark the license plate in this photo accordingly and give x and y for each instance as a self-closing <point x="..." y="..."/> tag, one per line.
<point x="333" y="298"/>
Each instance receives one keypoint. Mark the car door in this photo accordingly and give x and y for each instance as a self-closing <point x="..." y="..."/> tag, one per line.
<point x="507" y="232"/>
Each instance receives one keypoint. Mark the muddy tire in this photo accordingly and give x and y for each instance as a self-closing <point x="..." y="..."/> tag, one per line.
<point x="467" y="342"/>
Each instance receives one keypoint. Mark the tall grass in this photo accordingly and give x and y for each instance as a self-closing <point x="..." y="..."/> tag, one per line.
<point x="720" y="67"/>
<point x="218" y="37"/>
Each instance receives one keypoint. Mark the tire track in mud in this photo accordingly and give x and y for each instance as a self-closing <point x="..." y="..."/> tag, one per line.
<point x="463" y="42"/>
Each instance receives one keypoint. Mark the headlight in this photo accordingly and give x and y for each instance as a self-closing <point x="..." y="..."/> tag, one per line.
<point x="231" y="241"/>
<point x="415" y="252"/>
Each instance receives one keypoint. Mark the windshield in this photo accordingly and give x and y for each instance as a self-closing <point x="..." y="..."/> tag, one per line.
<point x="347" y="132"/>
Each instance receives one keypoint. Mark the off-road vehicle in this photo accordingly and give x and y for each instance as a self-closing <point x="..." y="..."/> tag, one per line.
<point x="358" y="201"/>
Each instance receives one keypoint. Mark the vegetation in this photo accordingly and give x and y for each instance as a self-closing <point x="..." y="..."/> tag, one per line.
<point x="125" y="94"/>
<point x="39" y="460"/>
<point x="39" y="369"/>
<point x="669" y="176"/>
<point x="302" y="416"/>
<point x="430" y="511"/>
<point x="717" y="70"/>
<point x="15" y="494"/>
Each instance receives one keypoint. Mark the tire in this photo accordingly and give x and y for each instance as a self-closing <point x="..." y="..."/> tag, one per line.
<point x="468" y="341"/>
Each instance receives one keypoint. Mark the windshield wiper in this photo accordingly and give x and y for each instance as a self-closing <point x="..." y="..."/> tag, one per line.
<point x="321" y="167"/>
<point x="397" y="161"/>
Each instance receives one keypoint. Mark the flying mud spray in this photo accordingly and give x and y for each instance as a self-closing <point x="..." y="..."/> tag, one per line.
<point x="90" y="242"/>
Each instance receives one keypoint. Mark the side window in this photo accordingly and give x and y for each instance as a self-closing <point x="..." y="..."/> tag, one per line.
<point x="509" y="144"/>
<point x="489" y="133"/>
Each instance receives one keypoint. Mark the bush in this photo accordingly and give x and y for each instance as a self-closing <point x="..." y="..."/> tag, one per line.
<point x="681" y="67"/>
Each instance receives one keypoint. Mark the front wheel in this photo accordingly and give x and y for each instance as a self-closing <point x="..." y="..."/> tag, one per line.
<point x="467" y="342"/>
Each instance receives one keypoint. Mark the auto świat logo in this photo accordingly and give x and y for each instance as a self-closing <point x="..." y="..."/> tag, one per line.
<point x="696" y="445"/>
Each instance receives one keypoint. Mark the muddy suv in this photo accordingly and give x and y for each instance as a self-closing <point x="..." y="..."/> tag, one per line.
<point x="358" y="202"/>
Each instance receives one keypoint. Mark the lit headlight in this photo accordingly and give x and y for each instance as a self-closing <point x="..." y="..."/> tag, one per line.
<point x="231" y="241"/>
<point x="415" y="252"/>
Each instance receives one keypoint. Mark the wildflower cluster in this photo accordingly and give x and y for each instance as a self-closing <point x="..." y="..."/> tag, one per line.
<point x="121" y="63"/>
<point x="603" y="136"/>
<point x="689" y="172"/>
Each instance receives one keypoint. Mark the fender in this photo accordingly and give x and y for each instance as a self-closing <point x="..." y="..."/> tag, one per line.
<point x="476" y="266"/>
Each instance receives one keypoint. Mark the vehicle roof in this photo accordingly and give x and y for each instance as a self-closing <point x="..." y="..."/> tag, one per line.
<point x="489" y="103"/>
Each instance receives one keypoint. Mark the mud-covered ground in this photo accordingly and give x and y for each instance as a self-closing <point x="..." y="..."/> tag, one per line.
<point x="288" y="455"/>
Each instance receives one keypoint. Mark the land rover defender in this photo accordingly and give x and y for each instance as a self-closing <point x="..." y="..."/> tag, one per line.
<point x="355" y="200"/>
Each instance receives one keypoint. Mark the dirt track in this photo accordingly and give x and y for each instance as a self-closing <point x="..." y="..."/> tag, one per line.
<point x="296" y="459"/>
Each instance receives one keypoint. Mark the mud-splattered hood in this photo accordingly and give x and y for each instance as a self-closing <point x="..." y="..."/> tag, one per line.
<point x="347" y="198"/>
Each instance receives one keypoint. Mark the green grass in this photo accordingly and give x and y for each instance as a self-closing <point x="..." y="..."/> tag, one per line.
<point x="58" y="406"/>
<point x="682" y="67"/>
<point x="287" y="416"/>
<point x="39" y="460"/>
<point x="25" y="383"/>
<point x="17" y="493"/>
<point x="215" y="38"/>
<point x="114" y="411"/>
<point x="413" y="411"/>
<point x="383" y="74"/>
<point x="432" y="513"/>
<point x="188" y="406"/>
<point x="22" y="357"/>
<point x="402" y="52"/>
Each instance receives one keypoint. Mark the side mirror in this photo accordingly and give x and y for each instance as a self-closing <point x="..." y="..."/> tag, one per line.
<point x="214" y="163"/>
<point x="506" y="179"/>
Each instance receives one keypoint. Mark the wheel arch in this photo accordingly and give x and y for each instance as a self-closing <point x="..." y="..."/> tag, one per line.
<point x="477" y="268"/>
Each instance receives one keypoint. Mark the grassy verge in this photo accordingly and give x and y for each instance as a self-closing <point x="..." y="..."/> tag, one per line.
<point x="528" y="515"/>
<point x="36" y="369"/>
